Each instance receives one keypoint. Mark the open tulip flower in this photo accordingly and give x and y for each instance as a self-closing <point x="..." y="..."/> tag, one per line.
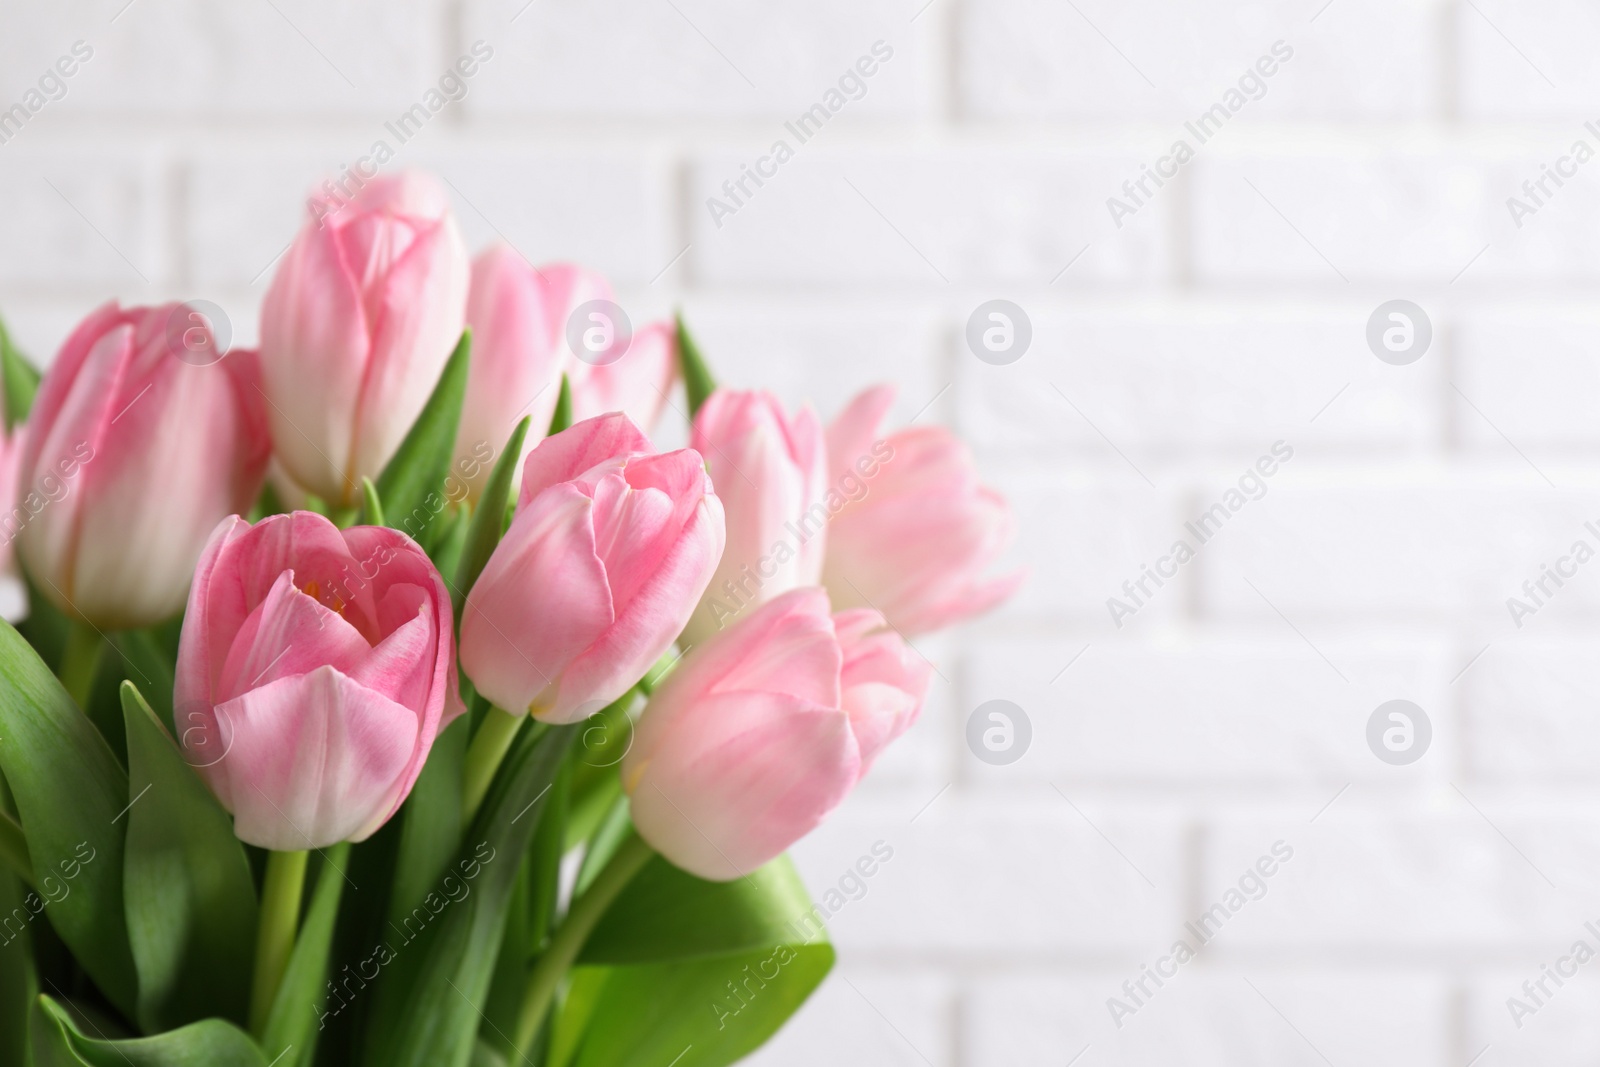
<point x="411" y="621"/>
<point x="316" y="668"/>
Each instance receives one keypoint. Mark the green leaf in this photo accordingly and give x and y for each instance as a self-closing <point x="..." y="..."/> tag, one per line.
<point x="190" y="898"/>
<point x="431" y="822"/>
<point x="371" y="506"/>
<point x="71" y="795"/>
<point x="58" y="1042"/>
<point x="296" y="1016"/>
<point x="487" y="520"/>
<point x="698" y="383"/>
<point x="422" y="462"/>
<point x="653" y="980"/>
<point x="561" y="417"/>
<point x="430" y="998"/>
<point x="448" y="541"/>
<point x="19" y="984"/>
<point x="19" y="378"/>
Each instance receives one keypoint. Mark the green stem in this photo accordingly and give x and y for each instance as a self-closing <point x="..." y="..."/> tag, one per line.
<point x="489" y="746"/>
<point x="80" y="660"/>
<point x="629" y="860"/>
<point x="280" y="916"/>
<point x="14" y="849"/>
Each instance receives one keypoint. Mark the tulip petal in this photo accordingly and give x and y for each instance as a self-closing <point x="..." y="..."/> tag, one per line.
<point x="288" y="634"/>
<point x="311" y="760"/>
<point x="578" y="449"/>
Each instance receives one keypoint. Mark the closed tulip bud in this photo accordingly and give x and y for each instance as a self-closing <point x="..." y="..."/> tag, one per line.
<point x="769" y="469"/>
<point x="518" y="314"/>
<point x="140" y="440"/>
<point x="915" y="531"/>
<point x="360" y="320"/>
<point x="611" y="546"/>
<point x="315" y="669"/>
<point x="763" y="730"/>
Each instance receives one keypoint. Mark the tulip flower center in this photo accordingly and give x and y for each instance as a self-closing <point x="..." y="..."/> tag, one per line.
<point x="333" y="601"/>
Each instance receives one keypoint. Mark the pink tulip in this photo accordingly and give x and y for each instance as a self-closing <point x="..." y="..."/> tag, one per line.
<point x="769" y="469"/>
<point x="362" y="316"/>
<point x="518" y="314"/>
<point x="637" y="382"/>
<point x="913" y="531"/>
<point x="763" y="730"/>
<point x="611" y="546"/>
<point x="315" y="670"/>
<point x="140" y="440"/>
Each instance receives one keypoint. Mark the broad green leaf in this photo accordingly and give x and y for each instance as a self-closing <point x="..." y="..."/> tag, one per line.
<point x="682" y="966"/>
<point x="298" y="1011"/>
<point x="59" y="1042"/>
<point x="487" y="527"/>
<point x="190" y="898"/>
<point x="414" y="479"/>
<point x="431" y="996"/>
<point x="698" y="383"/>
<point x="485" y="1056"/>
<point x="71" y="797"/>
<point x="19" y="378"/>
<point x="430" y="828"/>
<point x="449" y="540"/>
<point x="694" y="1013"/>
<point x="561" y="417"/>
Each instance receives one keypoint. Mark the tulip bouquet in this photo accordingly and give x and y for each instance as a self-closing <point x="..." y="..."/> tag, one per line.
<point x="385" y="696"/>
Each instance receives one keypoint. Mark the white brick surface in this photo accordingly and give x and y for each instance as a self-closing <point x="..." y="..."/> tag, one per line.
<point x="1168" y="354"/>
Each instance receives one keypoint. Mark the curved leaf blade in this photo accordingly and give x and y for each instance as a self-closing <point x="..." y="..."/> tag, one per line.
<point x="296" y="1016"/>
<point x="71" y="796"/>
<point x="188" y="891"/>
<point x="422" y="462"/>
<point x="57" y="1042"/>
<point x="488" y="520"/>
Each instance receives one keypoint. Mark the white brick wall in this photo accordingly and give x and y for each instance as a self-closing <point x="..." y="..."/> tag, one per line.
<point x="1169" y="353"/>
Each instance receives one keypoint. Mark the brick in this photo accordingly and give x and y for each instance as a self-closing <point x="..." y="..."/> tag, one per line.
<point x="1528" y="709"/>
<point x="1205" y="710"/>
<point x="1168" y="381"/>
<point x="979" y="213"/>
<point x="698" y="57"/>
<point x="1526" y="60"/>
<point x="1366" y="59"/>
<point x="81" y="217"/>
<point x="1384" y="875"/>
<point x="1544" y="399"/>
<point x="192" y="58"/>
<point x="1211" y="1017"/>
<point x="982" y="877"/>
<point x="867" y="1016"/>
<point x="1563" y="1030"/>
<point x="1420" y="546"/>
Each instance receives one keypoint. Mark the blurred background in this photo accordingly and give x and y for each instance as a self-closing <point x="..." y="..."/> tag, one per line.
<point x="1164" y="345"/>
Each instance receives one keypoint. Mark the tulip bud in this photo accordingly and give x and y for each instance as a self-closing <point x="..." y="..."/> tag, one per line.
<point x="915" y="530"/>
<point x="768" y="468"/>
<point x="611" y="546"/>
<point x="139" y="441"/>
<point x="315" y="669"/>
<point x="636" y="379"/>
<point x="360" y="320"/>
<point x="518" y="314"/>
<point x="763" y="729"/>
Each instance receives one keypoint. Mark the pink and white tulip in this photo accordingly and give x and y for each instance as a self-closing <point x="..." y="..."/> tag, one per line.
<point x="139" y="441"/>
<point x="360" y="320"/>
<point x="769" y="468"/>
<point x="764" y="729"/>
<point x="611" y="546"/>
<point x="637" y="382"/>
<point x="315" y="669"/>
<point x="918" y="538"/>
